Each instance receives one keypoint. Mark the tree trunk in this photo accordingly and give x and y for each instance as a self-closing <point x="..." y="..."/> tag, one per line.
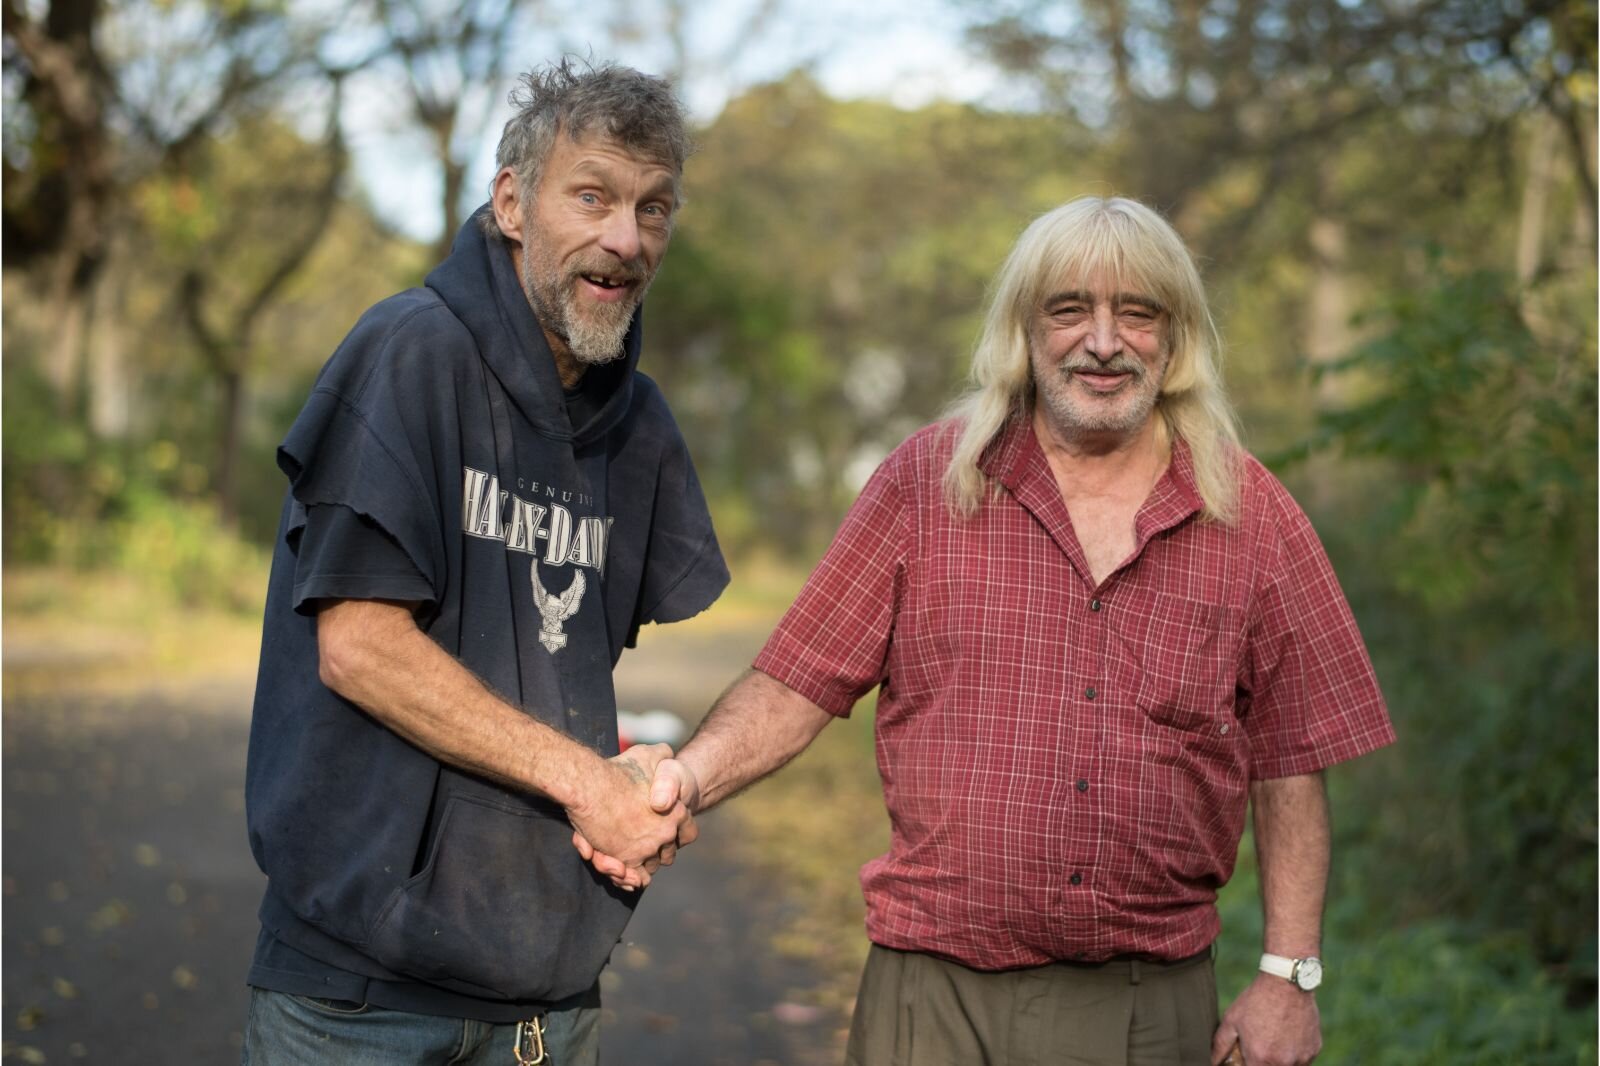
<point x="455" y="180"/>
<point x="1327" y="337"/>
<point x="1535" y="198"/>
<point x="1328" y="305"/>
<point x="230" y="431"/>
<point x="109" y="383"/>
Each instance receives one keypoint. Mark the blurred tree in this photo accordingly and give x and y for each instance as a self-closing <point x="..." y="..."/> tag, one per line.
<point x="98" y="96"/>
<point x="452" y="60"/>
<point x="1191" y="89"/>
<point x="825" y="285"/>
<point x="59" y="178"/>
<point x="1478" y="579"/>
<point x="268" y="197"/>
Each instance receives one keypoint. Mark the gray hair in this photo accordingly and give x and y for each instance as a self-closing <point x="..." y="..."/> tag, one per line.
<point x="638" y="112"/>
<point x="1131" y="247"/>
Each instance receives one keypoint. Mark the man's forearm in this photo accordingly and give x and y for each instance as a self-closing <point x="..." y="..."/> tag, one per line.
<point x="373" y="654"/>
<point x="1293" y="844"/>
<point x="756" y="727"/>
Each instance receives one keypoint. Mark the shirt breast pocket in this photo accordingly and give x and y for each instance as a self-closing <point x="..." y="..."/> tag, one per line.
<point x="1188" y="655"/>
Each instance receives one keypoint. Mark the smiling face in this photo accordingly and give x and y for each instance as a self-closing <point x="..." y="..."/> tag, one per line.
<point x="1099" y="356"/>
<point x="592" y="238"/>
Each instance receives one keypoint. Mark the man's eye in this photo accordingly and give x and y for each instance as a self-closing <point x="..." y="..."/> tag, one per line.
<point x="588" y="198"/>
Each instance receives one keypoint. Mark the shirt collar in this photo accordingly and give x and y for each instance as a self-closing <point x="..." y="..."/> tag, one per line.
<point x="1015" y="459"/>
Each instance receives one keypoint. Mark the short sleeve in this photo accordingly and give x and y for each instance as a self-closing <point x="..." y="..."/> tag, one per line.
<point x="832" y="646"/>
<point x="684" y="569"/>
<point x="342" y="555"/>
<point x="365" y="462"/>
<point x="1312" y="696"/>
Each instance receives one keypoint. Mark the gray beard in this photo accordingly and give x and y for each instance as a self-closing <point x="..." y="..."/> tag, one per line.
<point x="592" y="340"/>
<point x="1076" y="416"/>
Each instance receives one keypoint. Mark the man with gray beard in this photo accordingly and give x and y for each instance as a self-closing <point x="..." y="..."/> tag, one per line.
<point x="486" y="501"/>
<point x="1100" y="632"/>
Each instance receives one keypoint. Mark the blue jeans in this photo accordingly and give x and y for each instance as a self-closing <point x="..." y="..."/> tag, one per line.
<point x="290" y="1030"/>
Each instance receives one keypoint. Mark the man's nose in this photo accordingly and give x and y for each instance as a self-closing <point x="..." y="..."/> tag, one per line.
<point x="1104" y="340"/>
<point x="620" y="235"/>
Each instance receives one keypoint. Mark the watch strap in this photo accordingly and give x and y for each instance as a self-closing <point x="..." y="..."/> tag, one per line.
<point x="1278" y="965"/>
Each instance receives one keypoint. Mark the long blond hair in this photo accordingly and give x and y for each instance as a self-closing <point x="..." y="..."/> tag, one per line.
<point x="1126" y="245"/>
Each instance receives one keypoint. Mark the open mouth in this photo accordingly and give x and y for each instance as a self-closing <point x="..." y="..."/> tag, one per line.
<point x="604" y="288"/>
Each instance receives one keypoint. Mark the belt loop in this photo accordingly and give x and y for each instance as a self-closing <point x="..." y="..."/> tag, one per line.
<point x="1133" y="971"/>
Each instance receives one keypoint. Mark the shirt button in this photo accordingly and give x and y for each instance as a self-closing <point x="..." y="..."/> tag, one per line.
<point x="1083" y="785"/>
<point x="1076" y="879"/>
<point x="1089" y="693"/>
<point x="1094" y="605"/>
<point x="1223" y="729"/>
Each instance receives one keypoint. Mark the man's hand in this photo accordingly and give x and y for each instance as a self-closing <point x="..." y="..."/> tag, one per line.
<point x="673" y="787"/>
<point x="1274" y="1023"/>
<point x="634" y="838"/>
<point x="756" y="726"/>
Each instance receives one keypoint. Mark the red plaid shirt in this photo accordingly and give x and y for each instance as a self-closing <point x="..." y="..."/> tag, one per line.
<point x="1066" y="765"/>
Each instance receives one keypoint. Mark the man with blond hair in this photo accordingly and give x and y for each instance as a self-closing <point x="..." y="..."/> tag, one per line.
<point x="1100" y="629"/>
<point x="486" y="501"/>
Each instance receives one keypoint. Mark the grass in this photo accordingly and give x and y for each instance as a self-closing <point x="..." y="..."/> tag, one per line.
<point x="116" y="630"/>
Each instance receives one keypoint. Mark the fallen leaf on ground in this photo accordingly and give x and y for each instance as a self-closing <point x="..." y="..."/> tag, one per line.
<point x="796" y="1013"/>
<point x="110" y="916"/>
<point x="661" y="1023"/>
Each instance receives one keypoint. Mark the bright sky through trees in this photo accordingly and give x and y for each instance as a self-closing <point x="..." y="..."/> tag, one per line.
<point x="902" y="51"/>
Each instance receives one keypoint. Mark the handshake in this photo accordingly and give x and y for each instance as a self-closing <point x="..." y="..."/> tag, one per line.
<point x="637" y="812"/>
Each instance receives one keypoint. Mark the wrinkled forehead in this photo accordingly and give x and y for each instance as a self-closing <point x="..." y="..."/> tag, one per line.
<point x="597" y="142"/>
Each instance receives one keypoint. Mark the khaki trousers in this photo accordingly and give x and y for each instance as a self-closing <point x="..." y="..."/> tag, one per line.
<point x="918" y="1010"/>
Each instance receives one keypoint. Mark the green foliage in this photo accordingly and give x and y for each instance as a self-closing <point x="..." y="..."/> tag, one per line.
<point x="1432" y="992"/>
<point x="94" y="507"/>
<point x="181" y="547"/>
<point x="1471" y="562"/>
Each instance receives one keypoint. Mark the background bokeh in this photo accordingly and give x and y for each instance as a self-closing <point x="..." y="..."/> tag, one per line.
<point x="1394" y="204"/>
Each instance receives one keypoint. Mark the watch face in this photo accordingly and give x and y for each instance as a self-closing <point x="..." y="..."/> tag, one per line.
<point x="1308" y="974"/>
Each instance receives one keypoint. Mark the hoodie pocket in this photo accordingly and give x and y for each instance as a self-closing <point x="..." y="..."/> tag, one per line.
<point x="503" y="908"/>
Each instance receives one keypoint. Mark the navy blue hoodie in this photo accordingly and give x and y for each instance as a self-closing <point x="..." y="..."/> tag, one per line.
<point x="438" y="460"/>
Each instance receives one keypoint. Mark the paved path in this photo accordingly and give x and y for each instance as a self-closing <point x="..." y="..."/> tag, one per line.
<point x="129" y="891"/>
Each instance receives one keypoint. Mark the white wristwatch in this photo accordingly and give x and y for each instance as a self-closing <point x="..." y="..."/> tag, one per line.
<point x="1305" y="974"/>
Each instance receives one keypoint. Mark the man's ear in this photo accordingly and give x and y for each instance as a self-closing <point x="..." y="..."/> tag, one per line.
<point x="508" y="206"/>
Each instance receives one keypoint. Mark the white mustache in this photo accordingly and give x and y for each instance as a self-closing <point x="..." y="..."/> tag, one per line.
<point x="1115" y="366"/>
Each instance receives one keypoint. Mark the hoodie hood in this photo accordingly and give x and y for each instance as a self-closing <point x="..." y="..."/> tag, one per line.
<point x="479" y="283"/>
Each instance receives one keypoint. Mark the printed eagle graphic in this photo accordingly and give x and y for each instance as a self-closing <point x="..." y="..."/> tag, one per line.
<point x="553" y="609"/>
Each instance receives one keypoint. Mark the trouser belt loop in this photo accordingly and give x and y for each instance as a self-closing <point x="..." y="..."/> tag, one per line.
<point x="1133" y="971"/>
